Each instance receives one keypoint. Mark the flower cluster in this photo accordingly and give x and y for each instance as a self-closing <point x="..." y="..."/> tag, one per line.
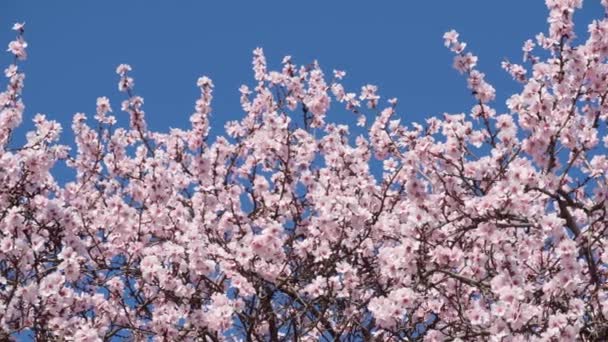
<point x="468" y="226"/>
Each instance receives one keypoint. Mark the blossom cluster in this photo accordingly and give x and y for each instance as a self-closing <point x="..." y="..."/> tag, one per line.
<point x="477" y="226"/>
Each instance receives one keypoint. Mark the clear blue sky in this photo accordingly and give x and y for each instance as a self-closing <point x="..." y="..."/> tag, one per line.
<point x="75" y="47"/>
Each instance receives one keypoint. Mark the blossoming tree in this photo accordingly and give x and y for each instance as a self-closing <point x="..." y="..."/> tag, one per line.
<point x="479" y="226"/>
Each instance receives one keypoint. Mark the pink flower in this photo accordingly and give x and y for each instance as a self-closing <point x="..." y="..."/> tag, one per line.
<point x="339" y="74"/>
<point x="11" y="71"/>
<point x="126" y="83"/>
<point x="87" y="333"/>
<point x="450" y="38"/>
<point x="204" y="82"/>
<point x="17" y="48"/>
<point x="19" y="27"/>
<point x="368" y="92"/>
<point x="122" y="69"/>
<point x="103" y="107"/>
<point x="219" y="313"/>
<point x="259" y="64"/>
<point x="465" y="63"/>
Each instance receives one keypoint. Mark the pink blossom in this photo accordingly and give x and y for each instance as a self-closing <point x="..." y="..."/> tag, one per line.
<point x="19" y="27"/>
<point x="122" y="69"/>
<point x="465" y="63"/>
<point x="450" y="37"/>
<point x="17" y="48"/>
<point x="294" y="225"/>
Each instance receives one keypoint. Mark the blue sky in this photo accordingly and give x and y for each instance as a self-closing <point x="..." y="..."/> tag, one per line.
<point x="397" y="45"/>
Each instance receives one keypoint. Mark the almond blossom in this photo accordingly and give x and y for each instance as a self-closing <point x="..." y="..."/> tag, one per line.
<point x="477" y="224"/>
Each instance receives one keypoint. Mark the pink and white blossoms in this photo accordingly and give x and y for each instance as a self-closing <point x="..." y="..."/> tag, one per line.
<point x="474" y="225"/>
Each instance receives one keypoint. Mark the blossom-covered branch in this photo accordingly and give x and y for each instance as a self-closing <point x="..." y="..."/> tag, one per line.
<point x="477" y="226"/>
